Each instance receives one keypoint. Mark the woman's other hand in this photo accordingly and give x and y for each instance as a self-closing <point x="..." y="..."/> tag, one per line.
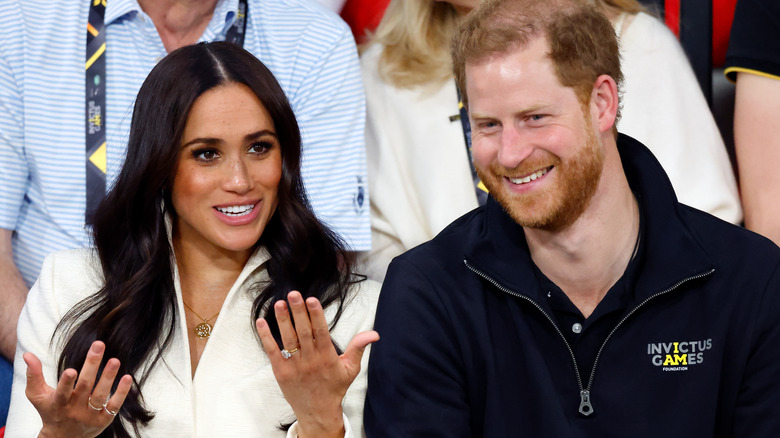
<point x="74" y="409"/>
<point x="312" y="376"/>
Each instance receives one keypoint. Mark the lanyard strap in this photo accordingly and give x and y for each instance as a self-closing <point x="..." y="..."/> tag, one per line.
<point x="237" y="30"/>
<point x="480" y="189"/>
<point x="95" y="108"/>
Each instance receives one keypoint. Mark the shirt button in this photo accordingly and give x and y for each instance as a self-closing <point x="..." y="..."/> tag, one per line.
<point x="576" y="328"/>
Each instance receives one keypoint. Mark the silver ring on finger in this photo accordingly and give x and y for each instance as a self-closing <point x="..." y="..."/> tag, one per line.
<point x="110" y="412"/>
<point x="93" y="407"/>
<point x="288" y="353"/>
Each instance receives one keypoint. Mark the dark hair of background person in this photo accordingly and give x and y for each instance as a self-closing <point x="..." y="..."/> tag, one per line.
<point x="134" y="313"/>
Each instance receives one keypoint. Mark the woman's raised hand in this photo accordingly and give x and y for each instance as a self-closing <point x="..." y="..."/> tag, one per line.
<point x="77" y="411"/>
<point x="312" y="376"/>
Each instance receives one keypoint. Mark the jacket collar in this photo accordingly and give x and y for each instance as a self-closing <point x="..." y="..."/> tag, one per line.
<point x="672" y="253"/>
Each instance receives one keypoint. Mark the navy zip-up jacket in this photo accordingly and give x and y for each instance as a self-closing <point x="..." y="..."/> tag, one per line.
<point x="469" y="347"/>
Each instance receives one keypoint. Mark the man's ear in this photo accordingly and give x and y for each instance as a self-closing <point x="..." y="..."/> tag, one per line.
<point x="604" y="102"/>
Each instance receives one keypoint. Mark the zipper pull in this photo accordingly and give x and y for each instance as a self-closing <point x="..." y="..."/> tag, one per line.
<point x="585" y="407"/>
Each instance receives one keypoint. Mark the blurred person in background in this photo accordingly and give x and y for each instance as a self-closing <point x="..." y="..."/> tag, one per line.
<point x="753" y="62"/>
<point x="362" y="16"/>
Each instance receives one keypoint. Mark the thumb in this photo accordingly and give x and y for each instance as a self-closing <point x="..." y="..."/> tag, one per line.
<point x="354" y="352"/>
<point x="36" y="385"/>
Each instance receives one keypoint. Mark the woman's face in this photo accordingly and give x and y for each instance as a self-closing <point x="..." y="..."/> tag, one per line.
<point x="462" y="6"/>
<point x="230" y="163"/>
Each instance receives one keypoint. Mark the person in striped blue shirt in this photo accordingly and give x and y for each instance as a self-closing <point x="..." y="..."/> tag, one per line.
<point x="47" y="111"/>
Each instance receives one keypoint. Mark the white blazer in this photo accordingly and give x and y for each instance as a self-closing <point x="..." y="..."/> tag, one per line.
<point x="233" y="393"/>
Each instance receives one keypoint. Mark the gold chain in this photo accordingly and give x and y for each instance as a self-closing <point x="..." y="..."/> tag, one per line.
<point x="202" y="330"/>
<point x="204" y="319"/>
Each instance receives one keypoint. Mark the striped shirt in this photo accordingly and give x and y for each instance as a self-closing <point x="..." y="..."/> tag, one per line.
<point x="42" y="107"/>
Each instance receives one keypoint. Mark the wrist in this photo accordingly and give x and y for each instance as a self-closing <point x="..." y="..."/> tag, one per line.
<point x="47" y="433"/>
<point x="331" y="426"/>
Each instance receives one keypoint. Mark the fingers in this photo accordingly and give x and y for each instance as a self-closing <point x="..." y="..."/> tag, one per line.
<point x="286" y="329"/>
<point x="89" y="370"/>
<point x="102" y="391"/>
<point x="123" y="388"/>
<point x="354" y="352"/>
<point x="267" y="339"/>
<point x="37" y="391"/>
<point x="302" y="323"/>
<point x="73" y="406"/>
<point x="319" y="324"/>
<point x="64" y="391"/>
<point x="36" y="385"/>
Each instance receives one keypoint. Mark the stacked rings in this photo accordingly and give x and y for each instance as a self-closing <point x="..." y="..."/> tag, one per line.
<point x="91" y="406"/>
<point x="101" y="408"/>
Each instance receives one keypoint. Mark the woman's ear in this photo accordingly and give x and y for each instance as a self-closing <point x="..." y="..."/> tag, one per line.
<point x="604" y="102"/>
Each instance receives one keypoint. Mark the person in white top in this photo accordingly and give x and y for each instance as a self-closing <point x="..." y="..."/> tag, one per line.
<point x="418" y="164"/>
<point x="214" y="303"/>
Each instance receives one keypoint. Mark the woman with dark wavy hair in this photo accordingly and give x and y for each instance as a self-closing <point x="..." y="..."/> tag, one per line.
<point x="213" y="290"/>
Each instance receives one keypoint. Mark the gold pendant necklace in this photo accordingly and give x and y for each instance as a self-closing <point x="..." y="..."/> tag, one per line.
<point x="202" y="330"/>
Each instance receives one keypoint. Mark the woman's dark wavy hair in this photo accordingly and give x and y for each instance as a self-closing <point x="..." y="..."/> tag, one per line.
<point x="135" y="311"/>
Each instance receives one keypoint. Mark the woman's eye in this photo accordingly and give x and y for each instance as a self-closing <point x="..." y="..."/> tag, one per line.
<point x="260" y="147"/>
<point x="204" y="154"/>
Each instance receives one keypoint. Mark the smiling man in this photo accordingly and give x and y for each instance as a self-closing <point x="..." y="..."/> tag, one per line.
<point x="582" y="299"/>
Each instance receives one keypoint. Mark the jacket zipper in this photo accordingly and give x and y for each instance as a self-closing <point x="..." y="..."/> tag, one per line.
<point x="585" y="408"/>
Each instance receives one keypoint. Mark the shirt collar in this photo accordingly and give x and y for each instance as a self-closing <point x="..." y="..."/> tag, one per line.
<point x="619" y="295"/>
<point x="116" y="9"/>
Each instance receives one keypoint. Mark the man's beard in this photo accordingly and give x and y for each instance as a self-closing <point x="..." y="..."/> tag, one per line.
<point x="554" y="208"/>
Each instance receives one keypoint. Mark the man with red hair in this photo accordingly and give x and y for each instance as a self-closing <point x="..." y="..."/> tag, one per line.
<point x="583" y="300"/>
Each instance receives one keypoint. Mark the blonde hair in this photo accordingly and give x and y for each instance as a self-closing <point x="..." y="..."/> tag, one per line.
<point x="415" y="35"/>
